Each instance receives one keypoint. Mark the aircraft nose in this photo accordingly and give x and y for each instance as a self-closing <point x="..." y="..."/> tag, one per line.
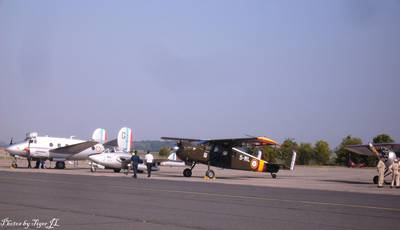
<point x="12" y="149"/>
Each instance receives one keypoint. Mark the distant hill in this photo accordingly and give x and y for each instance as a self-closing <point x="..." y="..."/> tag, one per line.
<point x="3" y="144"/>
<point x="152" y="146"/>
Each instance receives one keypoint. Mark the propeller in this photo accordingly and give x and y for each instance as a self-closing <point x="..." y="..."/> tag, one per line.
<point x="11" y="141"/>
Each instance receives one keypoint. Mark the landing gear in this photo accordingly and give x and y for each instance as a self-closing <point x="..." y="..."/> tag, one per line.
<point x="117" y="170"/>
<point x="376" y="179"/>
<point x="210" y="174"/>
<point x="60" y="165"/>
<point x="14" y="163"/>
<point x="273" y="175"/>
<point x="187" y="172"/>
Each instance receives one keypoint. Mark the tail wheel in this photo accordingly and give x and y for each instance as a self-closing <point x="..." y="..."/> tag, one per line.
<point x="375" y="179"/>
<point x="14" y="165"/>
<point x="273" y="175"/>
<point x="187" y="172"/>
<point x="117" y="170"/>
<point x="210" y="174"/>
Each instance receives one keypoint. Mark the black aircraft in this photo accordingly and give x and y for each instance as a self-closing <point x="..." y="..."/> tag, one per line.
<point x="226" y="153"/>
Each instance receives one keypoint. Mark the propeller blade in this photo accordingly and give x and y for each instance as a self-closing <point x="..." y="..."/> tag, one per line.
<point x="11" y="141"/>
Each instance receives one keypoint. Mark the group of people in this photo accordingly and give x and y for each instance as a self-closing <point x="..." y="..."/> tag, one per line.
<point x="394" y="168"/>
<point x="135" y="161"/>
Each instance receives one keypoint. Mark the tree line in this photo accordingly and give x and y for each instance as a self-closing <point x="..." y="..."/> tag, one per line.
<point x="320" y="153"/>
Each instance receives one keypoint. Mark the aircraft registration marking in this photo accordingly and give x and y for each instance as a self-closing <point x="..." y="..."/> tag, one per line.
<point x="244" y="158"/>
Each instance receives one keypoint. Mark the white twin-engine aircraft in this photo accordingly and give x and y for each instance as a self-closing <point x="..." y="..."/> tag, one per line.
<point x="117" y="155"/>
<point x="36" y="147"/>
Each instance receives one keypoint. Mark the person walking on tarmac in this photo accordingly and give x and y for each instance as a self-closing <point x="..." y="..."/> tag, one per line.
<point x="380" y="167"/>
<point x="394" y="168"/>
<point x="149" y="162"/>
<point x="135" y="159"/>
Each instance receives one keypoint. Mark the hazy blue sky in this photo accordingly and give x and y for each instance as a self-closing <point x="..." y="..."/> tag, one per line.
<point x="307" y="70"/>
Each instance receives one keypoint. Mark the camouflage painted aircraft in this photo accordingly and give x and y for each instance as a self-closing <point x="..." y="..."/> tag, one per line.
<point x="226" y="153"/>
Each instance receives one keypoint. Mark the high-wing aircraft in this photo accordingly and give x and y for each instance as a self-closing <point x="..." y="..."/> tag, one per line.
<point x="388" y="151"/>
<point x="117" y="156"/>
<point x="36" y="147"/>
<point x="226" y="153"/>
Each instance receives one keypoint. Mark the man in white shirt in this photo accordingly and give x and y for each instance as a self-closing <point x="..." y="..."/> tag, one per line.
<point x="149" y="162"/>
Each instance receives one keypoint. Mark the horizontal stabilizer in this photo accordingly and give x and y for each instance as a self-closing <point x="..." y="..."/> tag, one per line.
<point x="112" y="143"/>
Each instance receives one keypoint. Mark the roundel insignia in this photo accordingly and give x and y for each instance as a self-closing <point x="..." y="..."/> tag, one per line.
<point x="98" y="148"/>
<point x="254" y="164"/>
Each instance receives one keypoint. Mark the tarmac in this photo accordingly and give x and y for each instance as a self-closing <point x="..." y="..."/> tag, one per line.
<point x="307" y="198"/>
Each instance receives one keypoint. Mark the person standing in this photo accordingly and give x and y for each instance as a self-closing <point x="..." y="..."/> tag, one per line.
<point x="135" y="159"/>
<point x="380" y="167"/>
<point x="149" y="162"/>
<point x="394" y="168"/>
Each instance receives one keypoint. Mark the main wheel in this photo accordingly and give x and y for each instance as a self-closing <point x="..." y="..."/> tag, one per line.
<point x="375" y="179"/>
<point x="210" y="174"/>
<point x="59" y="165"/>
<point x="14" y="165"/>
<point x="92" y="169"/>
<point x="187" y="172"/>
<point x="273" y="175"/>
<point x="117" y="170"/>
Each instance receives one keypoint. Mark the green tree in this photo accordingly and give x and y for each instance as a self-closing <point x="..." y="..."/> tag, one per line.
<point x="285" y="153"/>
<point x="383" y="138"/>
<point x="305" y="152"/>
<point x="164" y="151"/>
<point x="322" y="152"/>
<point x="342" y="155"/>
<point x="270" y="154"/>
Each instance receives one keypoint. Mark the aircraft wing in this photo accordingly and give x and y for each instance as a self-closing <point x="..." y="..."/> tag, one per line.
<point x="360" y="149"/>
<point x="364" y="149"/>
<point x="74" y="149"/>
<point x="233" y="141"/>
<point x="250" y="140"/>
<point x="180" y="139"/>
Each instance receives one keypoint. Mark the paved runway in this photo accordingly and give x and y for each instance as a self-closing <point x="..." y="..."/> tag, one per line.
<point x="88" y="202"/>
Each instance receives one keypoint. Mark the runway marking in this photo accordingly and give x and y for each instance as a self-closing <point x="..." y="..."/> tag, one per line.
<point x="235" y="196"/>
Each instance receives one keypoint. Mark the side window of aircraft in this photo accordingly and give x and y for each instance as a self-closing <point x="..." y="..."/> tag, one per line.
<point x="58" y="145"/>
<point x="35" y="141"/>
<point x="51" y="144"/>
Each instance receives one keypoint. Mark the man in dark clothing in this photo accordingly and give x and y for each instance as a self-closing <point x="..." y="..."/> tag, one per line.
<point x="135" y="159"/>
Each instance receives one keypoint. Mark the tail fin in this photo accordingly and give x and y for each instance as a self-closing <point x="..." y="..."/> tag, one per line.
<point x="293" y="162"/>
<point x="125" y="139"/>
<point x="100" y="135"/>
